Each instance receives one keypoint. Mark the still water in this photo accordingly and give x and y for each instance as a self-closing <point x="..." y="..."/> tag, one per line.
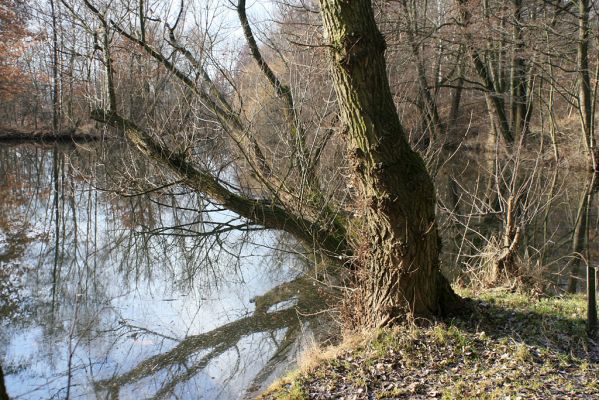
<point x="130" y="297"/>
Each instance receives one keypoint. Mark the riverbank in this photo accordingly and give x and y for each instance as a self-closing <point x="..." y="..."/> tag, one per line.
<point x="510" y="347"/>
<point x="47" y="135"/>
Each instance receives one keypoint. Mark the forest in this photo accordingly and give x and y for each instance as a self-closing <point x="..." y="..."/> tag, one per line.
<point x="411" y="182"/>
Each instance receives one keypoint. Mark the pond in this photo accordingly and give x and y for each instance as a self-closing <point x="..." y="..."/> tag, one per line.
<point x="110" y="296"/>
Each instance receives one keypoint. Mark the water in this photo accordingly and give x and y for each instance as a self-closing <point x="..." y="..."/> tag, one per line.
<point x="93" y="306"/>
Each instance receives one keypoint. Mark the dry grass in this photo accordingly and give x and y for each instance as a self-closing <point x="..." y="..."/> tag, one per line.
<point x="511" y="346"/>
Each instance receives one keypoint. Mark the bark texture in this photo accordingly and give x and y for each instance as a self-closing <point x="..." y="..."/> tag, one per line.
<point x="396" y="240"/>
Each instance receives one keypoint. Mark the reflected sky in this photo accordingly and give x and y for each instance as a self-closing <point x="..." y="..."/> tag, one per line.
<point x="92" y="306"/>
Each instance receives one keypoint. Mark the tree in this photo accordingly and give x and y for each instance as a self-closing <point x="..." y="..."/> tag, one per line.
<point x="56" y="106"/>
<point x="399" y="243"/>
<point x="387" y="234"/>
<point x="585" y="95"/>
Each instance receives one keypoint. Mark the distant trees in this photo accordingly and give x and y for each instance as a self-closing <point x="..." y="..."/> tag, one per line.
<point x="13" y="35"/>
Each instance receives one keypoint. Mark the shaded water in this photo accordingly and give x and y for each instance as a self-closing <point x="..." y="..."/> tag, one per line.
<point x="92" y="305"/>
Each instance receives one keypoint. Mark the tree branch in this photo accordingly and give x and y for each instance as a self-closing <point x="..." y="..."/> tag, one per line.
<point x="260" y="211"/>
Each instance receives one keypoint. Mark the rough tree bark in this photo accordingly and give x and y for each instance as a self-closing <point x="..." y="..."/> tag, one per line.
<point x="397" y="243"/>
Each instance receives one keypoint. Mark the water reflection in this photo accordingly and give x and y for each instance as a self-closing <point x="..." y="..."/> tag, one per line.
<point x="95" y="304"/>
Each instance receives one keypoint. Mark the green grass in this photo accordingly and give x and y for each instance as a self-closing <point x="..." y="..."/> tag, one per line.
<point x="510" y="346"/>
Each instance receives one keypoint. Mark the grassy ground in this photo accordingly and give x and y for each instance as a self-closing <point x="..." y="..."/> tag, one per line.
<point x="509" y="347"/>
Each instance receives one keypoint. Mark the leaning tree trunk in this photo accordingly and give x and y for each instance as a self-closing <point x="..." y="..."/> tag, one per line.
<point x="396" y="240"/>
<point x="490" y="82"/>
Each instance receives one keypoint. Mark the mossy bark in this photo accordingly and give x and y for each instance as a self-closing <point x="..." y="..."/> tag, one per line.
<point x="396" y="240"/>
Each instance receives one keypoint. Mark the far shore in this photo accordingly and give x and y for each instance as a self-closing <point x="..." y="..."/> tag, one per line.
<point x="47" y="135"/>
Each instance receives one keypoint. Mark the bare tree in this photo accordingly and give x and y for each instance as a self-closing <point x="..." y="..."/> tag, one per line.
<point x="384" y="229"/>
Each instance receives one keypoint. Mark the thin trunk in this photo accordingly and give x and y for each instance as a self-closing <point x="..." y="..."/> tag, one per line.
<point x="495" y="99"/>
<point x="550" y="197"/>
<point x="585" y="95"/>
<point x="434" y="123"/>
<point x="492" y="93"/>
<point x="491" y="190"/>
<point x="518" y="86"/>
<point x="591" y="291"/>
<point x="110" y="92"/>
<point x="578" y="240"/>
<point x="456" y="97"/>
<point x="495" y="52"/>
<point x="56" y="209"/>
<point x="71" y="95"/>
<point x="552" y="120"/>
<point x="3" y="393"/>
<point x="55" y="88"/>
<point x="529" y="96"/>
<point x="504" y="265"/>
<point x="440" y="44"/>
<point x="396" y="241"/>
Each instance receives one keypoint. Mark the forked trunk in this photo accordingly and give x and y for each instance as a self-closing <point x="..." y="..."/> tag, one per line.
<point x="395" y="238"/>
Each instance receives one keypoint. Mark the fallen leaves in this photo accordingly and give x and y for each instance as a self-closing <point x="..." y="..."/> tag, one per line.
<point x="500" y="353"/>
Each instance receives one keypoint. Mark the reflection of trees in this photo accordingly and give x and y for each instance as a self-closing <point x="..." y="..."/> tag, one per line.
<point x="92" y="246"/>
<point x="218" y="341"/>
<point x="15" y="236"/>
<point x="3" y="394"/>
